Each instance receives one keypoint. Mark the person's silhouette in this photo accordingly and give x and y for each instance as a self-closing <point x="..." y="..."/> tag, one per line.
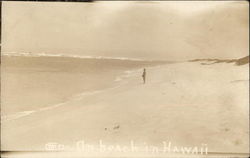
<point x="144" y="76"/>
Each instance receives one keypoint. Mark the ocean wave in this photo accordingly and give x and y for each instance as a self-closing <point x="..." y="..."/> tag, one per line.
<point x="69" y="56"/>
<point x="16" y="115"/>
<point x="127" y="74"/>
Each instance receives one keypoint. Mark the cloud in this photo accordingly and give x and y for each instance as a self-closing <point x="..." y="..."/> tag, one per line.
<point x="148" y="30"/>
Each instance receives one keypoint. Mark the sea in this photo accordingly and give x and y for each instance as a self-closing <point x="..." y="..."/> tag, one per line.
<point x="36" y="82"/>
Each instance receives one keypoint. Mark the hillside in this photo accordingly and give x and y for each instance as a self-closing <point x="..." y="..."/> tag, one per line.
<point x="240" y="61"/>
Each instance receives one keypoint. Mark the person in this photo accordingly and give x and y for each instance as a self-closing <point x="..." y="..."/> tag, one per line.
<point x="144" y="76"/>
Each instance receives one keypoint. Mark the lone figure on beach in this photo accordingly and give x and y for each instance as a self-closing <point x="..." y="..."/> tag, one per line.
<point x="144" y="76"/>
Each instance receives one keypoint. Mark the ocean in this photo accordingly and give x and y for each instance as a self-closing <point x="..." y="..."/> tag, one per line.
<point x="30" y="83"/>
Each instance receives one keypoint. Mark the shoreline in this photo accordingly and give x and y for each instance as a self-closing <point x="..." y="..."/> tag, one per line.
<point x="46" y="81"/>
<point x="119" y="81"/>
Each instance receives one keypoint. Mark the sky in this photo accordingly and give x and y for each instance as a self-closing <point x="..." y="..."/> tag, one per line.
<point x="166" y="30"/>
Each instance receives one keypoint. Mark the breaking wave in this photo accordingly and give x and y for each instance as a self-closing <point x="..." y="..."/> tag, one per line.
<point x="68" y="56"/>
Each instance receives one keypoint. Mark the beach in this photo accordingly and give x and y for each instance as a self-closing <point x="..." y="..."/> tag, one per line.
<point x="127" y="79"/>
<point x="187" y="104"/>
<point x="31" y="83"/>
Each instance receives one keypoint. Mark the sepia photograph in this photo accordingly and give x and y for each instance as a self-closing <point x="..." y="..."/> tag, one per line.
<point x="125" y="79"/>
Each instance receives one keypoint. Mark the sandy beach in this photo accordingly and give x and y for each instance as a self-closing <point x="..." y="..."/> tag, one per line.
<point x="127" y="79"/>
<point x="187" y="104"/>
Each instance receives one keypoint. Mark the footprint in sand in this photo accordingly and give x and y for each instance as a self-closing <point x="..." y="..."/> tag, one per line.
<point x="226" y="129"/>
<point x="237" y="142"/>
<point x="116" y="127"/>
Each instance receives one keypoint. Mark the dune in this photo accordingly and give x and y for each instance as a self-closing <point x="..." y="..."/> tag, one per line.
<point x="187" y="104"/>
<point x="240" y="61"/>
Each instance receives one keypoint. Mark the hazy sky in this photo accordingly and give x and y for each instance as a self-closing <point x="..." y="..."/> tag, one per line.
<point x="170" y="30"/>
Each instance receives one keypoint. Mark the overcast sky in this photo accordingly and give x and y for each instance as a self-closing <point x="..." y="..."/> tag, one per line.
<point x="170" y="30"/>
